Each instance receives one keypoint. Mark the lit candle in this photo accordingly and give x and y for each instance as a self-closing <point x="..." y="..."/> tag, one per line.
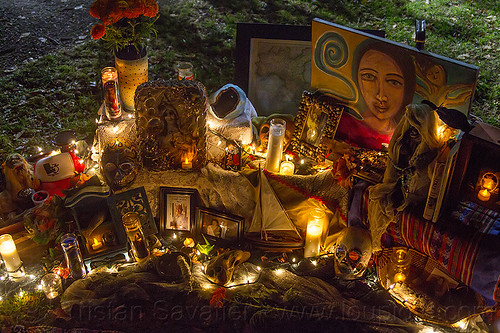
<point x="189" y="242"/>
<point x="399" y="277"/>
<point x="484" y="195"/>
<point x="400" y="265"/>
<point x="51" y="285"/>
<point x="9" y="253"/>
<point x="186" y="164"/>
<point x="313" y="234"/>
<point x="287" y="168"/>
<point x="275" y="144"/>
<point x="96" y="245"/>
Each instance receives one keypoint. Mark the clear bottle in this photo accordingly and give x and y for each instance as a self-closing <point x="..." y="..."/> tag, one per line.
<point x="132" y="223"/>
<point x="73" y="255"/>
<point x="275" y="144"/>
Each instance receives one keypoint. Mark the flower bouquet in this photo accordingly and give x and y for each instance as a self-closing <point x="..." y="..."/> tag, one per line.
<point x="124" y="22"/>
<point x="126" y="25"/>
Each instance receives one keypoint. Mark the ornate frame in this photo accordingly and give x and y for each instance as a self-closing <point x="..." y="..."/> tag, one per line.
<point x="330" y="113"/>
<point x="219" y="216"/>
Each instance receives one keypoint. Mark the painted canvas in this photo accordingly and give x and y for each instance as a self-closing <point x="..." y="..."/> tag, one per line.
<point x="376" y="78"/>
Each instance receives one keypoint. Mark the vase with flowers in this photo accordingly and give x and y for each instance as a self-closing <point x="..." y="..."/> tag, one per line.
<point x="126" y="25"/>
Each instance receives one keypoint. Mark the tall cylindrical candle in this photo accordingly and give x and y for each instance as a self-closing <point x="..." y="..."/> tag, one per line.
<point x="314" y="233"/>
<point x="111" y="93"/>
<point x="275" y="144"/>
<point x="132" y="223"/>
<point x="9" y="253"/>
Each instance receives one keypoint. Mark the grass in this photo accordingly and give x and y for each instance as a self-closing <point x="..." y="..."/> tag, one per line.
<point x="62" y="90"/>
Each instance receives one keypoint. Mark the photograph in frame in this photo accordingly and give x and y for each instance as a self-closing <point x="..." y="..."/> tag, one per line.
<point x="316" y="122"/>
<point x="177" y="209"/>
<point x="220" y="226"/>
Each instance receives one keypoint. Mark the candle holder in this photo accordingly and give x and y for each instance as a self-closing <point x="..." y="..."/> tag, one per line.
<point x="275" y="144"/>
<point x="314" y="233"/>
<point x="8" y="250"/>
<point x="287" y="168"/>
<point x="74" y="259"/>
<point x="488" y="184"/>
<point x="399" y="268"/>
<point x="132" y="223"/>
<point x="52" y="285"/>
<point x="185" y="71"/>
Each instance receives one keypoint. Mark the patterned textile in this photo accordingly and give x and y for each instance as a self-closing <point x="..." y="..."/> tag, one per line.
<point x="466" y="243"/>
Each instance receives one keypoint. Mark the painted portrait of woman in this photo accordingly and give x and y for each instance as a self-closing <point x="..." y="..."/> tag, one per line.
<point x="385" y="78"/>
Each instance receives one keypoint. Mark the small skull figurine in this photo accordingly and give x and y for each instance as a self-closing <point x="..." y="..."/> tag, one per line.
<point x="119" y="165"/>
<point x="264" y="132"/>
<point x="353" y="251"/>
<point x="221" y="268"/>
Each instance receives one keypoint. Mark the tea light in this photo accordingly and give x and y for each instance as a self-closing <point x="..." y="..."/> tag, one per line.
<point x="187" y="165"/>
<point x="189" y="242"/>
<point x="9" y="253"/>
<point x="51" y="285"/>
<point x="484" y="195"/>
<point x="287" y="168"/>
<point x="97" y="244"/>
<point x="313" y="234"/>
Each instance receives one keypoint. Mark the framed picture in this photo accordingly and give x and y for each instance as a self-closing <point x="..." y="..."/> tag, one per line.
<point x="177" y="208"/>
<point x="273" y="65"/>
<point x="217" y="225"/>
<point x="376" y="78"/>
<point x="134" y="200"/>
<point x="316" y="121"/>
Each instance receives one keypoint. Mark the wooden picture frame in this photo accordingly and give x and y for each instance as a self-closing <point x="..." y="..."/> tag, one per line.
<point x="177" y="209"/>
<point x="278" y="46"/>
<point x="316" y="121"/>
<point x="218" y="226"/>
<point x="133" y="200"/>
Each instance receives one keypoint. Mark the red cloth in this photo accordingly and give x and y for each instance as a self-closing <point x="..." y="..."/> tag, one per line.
<point x="356" y="133"/>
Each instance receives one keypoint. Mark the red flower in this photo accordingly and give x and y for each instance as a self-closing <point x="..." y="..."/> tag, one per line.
<point x="217" y="297"/>
<point x="98" y="31"/>
<point x="151" y="9"/>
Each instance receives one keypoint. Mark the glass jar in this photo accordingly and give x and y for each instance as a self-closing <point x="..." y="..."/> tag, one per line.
<point x="185" y="71"/>
<point x="399" y="268"/>
<point x="73" y="255"/>
<point x="132" y="223"/>
<point x="52" y="285"/>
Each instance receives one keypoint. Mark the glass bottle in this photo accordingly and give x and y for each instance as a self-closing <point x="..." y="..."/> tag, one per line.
<point x="73" y="255"/>
<point x="275" y="144"/>
<point x="132" y="223"/>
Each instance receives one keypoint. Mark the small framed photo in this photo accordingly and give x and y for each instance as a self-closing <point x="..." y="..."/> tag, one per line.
<point x="217" y="225"/>
<point x="316" y="121"/>
<point x="177" y="208"/>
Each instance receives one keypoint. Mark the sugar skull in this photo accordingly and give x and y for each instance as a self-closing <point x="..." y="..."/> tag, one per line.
<point x="220" y="269"/>
<point x="119" y="164"/>
<point x="353" y="251"/>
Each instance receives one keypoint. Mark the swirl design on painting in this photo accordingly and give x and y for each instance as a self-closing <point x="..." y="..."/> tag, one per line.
<point x="331" y="53"/>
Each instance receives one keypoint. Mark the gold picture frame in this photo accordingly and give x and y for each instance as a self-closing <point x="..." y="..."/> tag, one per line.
<point x="316" y="121"/>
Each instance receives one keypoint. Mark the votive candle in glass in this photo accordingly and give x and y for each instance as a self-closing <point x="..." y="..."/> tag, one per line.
<point x="132" y="223"/>
<point x="9" y="253"/>
<point x="287" y="168"/>
<point x="275" y="144"/>
<point x="185" y="71"/>
<point x="51" y="285"/>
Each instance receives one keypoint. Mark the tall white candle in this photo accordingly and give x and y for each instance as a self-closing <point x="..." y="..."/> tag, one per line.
<point x="275" y="144"/>
<point x="9" y="253"/>
<point x="314" y="233"/>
